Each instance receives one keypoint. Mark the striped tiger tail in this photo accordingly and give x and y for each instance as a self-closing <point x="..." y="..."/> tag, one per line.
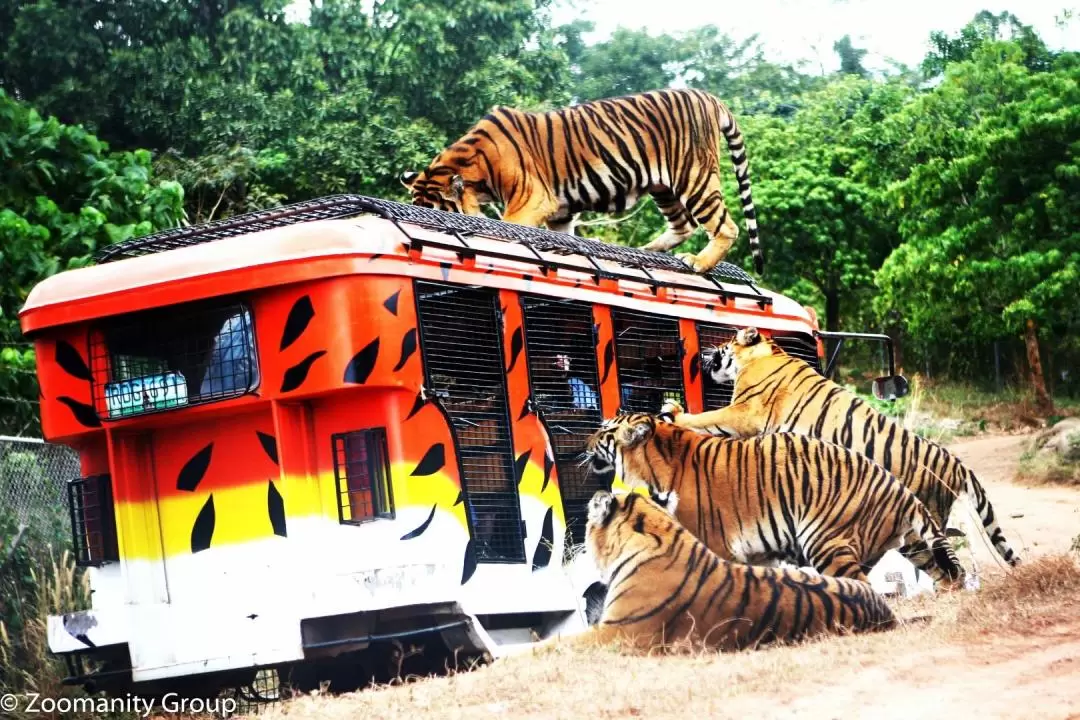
<point x="737" y="148"/>
<point x="977" y="497"/>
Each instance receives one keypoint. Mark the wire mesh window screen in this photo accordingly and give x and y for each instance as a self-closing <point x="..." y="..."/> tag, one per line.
<point x="463" y="357"/>
<point x="649" y="353"/>
<point x="93" y="520"/>
<point x="561" y="347"/>
<point x="803" y="347"/>
<point x="176" y="356"/>
<point x="716" y="395"/>
<point x="362" y="473"/>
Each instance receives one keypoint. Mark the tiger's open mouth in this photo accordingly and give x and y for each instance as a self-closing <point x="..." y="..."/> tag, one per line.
<point x="597" y="462"/>
<point x="604" y="472"/>
<point x="600" y="465"/>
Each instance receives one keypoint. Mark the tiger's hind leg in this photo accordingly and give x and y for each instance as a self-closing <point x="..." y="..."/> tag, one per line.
<point x="706" y="205"/>
<point x="680" y="224"/>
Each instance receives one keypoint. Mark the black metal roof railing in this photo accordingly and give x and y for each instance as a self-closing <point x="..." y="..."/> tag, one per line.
<point x="456" y="224"/>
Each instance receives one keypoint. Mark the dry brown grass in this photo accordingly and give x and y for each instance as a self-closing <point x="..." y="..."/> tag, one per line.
<point x="1051" y="582"/>
<point x="1011" y="612"/>
<point x="26" y="662"/>
<point x="1047" y="468"/>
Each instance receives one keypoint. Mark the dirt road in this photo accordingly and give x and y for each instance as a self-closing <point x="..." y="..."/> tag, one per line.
<point x="1011" y="650"/>
<point x="1050" y="516"/>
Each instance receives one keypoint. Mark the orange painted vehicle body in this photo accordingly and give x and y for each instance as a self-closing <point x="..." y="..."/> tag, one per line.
<point x="364" y="335"/>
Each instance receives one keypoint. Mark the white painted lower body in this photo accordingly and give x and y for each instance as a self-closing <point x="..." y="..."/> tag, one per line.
<point x="242" y="606"/>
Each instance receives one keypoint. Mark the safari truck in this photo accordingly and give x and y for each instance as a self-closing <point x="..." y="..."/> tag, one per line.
<point x="313" y="435"/>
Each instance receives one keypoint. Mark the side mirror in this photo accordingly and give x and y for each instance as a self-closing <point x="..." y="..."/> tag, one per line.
<point x="890" y="387"/>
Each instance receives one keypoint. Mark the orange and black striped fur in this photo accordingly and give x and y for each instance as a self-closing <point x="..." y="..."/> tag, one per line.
<point x="778" y="393"/>
<point x="603" y="155"/>
<point x="666" y="587"/>
<point x="773" y="498"/>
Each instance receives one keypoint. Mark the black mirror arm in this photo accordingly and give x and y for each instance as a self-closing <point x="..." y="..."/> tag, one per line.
<point x="841" y="336"/>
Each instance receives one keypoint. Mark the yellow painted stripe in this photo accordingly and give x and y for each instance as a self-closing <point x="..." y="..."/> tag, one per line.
<point x="241" y="514"/>
<point x="532" y="485"/>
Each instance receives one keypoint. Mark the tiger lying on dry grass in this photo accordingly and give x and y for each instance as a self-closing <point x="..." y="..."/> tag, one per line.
<point x="665" y="587"/>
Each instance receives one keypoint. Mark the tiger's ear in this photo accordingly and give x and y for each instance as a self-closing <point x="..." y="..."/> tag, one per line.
<point x="457" y="186"/>
<point x="632" y="435"/>
<point x="747" y="336"/>
<point x="408" y="178"/>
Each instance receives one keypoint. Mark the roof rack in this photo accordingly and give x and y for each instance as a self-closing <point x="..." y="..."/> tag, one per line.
<point x="455" y="224"/>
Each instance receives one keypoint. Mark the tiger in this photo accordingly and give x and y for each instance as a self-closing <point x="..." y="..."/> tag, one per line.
<point x="773" y="498"/>
<point x="666" y="588"/>
<point x="602" y="155"/>
<point x="777" y="393"/>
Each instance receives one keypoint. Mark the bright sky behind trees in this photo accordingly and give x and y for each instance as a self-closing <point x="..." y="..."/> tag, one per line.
<point x="795" y="30"/>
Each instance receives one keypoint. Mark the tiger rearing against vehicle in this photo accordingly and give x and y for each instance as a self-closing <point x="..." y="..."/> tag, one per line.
<point x="775" y="498"/>
<point x="777" y="393"/>
<point x="603" y="155"/>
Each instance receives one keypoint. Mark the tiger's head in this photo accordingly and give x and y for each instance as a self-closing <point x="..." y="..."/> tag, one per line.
<point x="618" y="447"/>
<point x="722" y="364"/>
<point x="621" y="525"/>
<point x="455" y="181"/>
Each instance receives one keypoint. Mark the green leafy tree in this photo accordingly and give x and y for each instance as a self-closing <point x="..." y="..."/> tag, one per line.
<point x="851" y="57"/>
<point x="63" y="195"/>
<point x="738" y="73"/>
<point x="985" y="27"/>
<point x="630" y="61"/>
<point x="250" y="109"/>
<point x="989" y="209"/>
<point x="822" y="213"/>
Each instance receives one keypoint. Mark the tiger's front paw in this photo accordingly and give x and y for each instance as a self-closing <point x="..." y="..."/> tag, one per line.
<point x="672" y="408"/>
<point x="600" y="508"/>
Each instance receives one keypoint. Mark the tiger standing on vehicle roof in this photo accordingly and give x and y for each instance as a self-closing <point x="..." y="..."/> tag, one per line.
<point x="666" y="587"/>
<point x="779" y="497"/>
<point x="775" y="392"/>
<point x="603" y="155"/>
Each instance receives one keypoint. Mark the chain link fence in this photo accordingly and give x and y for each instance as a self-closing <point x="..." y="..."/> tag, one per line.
<point x="33" y="483"/>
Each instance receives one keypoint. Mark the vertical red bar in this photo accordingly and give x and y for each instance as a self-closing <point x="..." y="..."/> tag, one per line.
<point x="691" y="365"/>
<point x="610" y="400"/>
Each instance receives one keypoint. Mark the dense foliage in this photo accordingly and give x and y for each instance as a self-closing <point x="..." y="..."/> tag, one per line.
<point x="938" y="203"/>
<point x="62" y="195"/>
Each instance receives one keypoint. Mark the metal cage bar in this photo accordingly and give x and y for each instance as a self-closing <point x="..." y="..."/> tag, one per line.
<point x="362" y="476"/>
<point x="560" y="345"/>
<point x="93" y="520"/>
<point x="649" y="352"/>
<point x="461" y="345"/>
<point x="802" y="346"/>
<point x="176" y="356"/>
<point x="715" y="395"/>
<point x="839" y="337"/>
